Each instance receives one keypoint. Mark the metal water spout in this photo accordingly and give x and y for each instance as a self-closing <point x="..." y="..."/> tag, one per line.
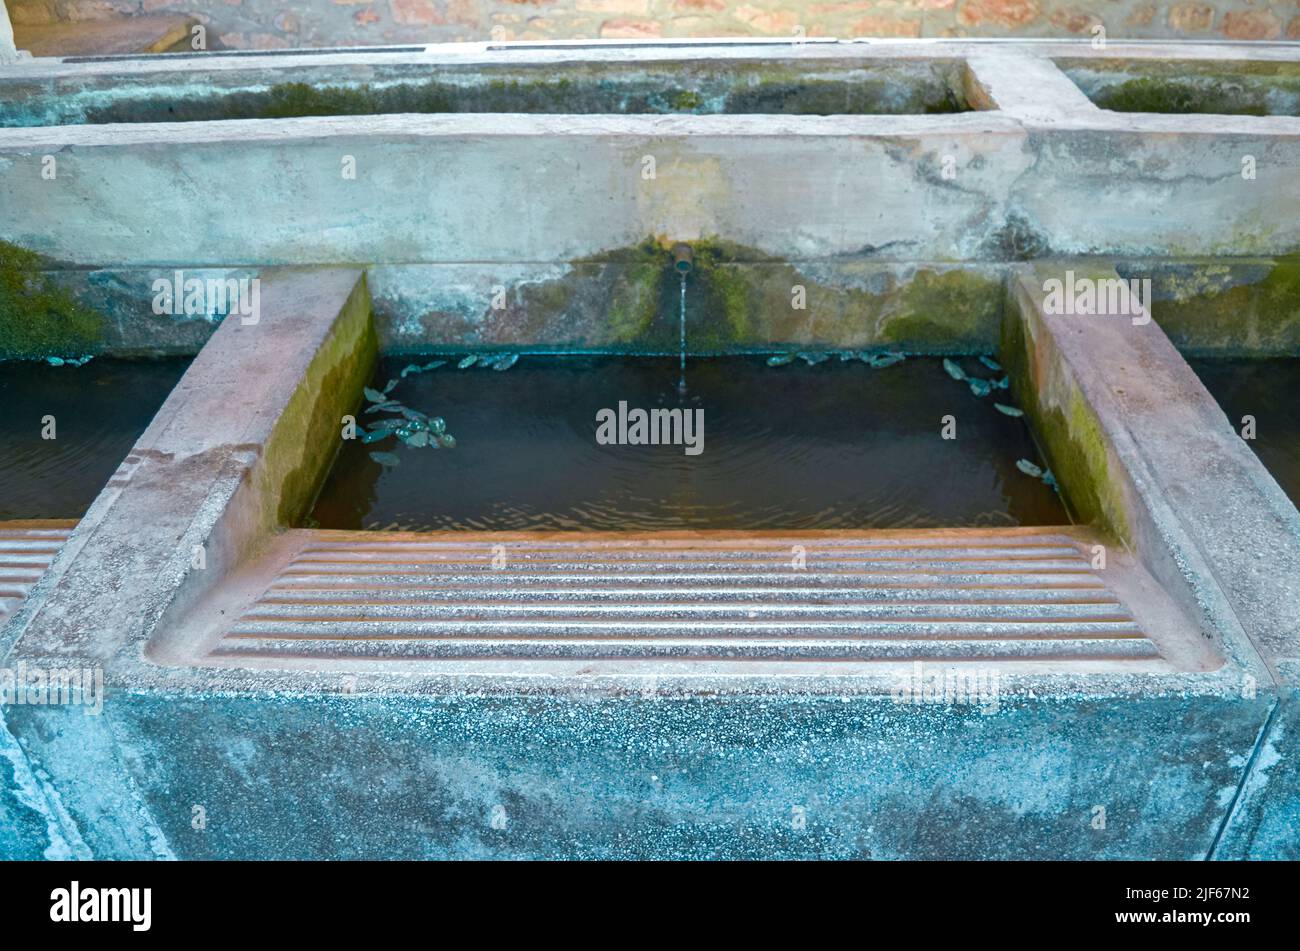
<point x="683" y="258"/>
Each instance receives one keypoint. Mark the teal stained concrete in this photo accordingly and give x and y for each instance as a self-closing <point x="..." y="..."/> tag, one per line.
<point x="352" y="777"/>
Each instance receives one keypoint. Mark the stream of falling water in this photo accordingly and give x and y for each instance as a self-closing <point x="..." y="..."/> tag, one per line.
<point x="681" y="379"/>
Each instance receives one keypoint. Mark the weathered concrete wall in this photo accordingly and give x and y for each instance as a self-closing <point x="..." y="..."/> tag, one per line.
<point x="666" y="778"/>
<point x="266" y="24"/>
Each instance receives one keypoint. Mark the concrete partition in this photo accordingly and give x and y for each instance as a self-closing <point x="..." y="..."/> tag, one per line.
<point x="1151" y="456"/>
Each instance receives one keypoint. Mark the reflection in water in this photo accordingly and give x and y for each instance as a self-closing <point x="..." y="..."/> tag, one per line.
<point x="838" y="445"/>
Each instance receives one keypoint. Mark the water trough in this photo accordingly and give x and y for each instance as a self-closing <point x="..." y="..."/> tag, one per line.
<point x="675" y="692"/>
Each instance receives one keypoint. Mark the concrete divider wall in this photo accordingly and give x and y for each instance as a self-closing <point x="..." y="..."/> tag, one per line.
<point x="1144" y="449"/>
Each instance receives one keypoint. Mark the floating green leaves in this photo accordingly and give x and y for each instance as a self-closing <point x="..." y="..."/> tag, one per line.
<point x="979" y="386"/>
<point x="1029" y="469"/>
<point x="69" y="361"/>
<point x="813" y="357"/>
<point x="416" y="368"/>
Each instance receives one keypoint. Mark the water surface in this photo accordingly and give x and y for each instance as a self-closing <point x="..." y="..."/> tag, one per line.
<point x="99" y="411"/>
<point x="837" y="445"/>
<point x="1269" y="390"/>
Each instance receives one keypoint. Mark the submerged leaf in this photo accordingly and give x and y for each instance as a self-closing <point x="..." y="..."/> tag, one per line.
<point x="418" y="439"/>
<point x="1028" y="468"/>
<point x="374" y="395"/>
<point x="467" y="362"/>
<point x="990" y="362"/>
<point x="1049" y="479"/>
<point x="980" y="387"/>
<point x="1006" y="410"/>
<point x="375" y="435"/>
<point x="781" y="359"/>
<point x="390" y="386"/>
<point x="437" y="426"/>
<point x="506" y="362"/>
<point x="1004" y="383"/>
<point x="881" y="360"/>
<point x="954" y="371"/>
<point x="447" y="441"/>
<point x="814" y="358"/>
<point x="433" y="365"/>
<point x="385" y="458"/>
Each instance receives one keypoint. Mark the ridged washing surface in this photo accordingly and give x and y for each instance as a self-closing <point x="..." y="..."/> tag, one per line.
<point x="953" y="595"/>
<point x="26" y="550"/>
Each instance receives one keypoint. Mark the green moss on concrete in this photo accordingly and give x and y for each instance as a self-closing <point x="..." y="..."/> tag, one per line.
<point x="946" y="312"/>
<point x="616" y="89"/>
<point x="729" y="293"/>
<point x="686" y="100"/>
<point x="1239" y="88"/>
<point x="1168" y="95"/>
<point x="37" y="317"/>
<point x="1077" y="451"/>
<point x="637" y="291"/>
<point x="1229" y="310"/>
<point x="299" y="453"/>
<point x="1067" y="431"/>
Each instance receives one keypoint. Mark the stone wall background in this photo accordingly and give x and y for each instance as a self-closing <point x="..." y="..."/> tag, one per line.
<point x="273" y="24"/>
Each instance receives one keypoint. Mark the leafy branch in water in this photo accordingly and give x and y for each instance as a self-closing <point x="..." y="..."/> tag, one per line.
<point x="415" y="429"/>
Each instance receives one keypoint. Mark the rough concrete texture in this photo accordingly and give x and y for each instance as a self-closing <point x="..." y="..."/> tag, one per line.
<point x="1194" y="501"/>
<point x="263" y="24"/>
<point x="518" y="777"/>
<point x="970" y="187"/>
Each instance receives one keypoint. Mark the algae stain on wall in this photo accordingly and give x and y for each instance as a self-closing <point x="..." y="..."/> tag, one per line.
<point x="38" y="318"/>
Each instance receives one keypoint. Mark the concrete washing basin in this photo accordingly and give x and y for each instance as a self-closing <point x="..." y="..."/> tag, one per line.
<point x="1121" y="684"/>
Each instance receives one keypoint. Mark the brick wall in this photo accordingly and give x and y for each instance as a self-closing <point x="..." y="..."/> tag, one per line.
<point x="269" y="24"/>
